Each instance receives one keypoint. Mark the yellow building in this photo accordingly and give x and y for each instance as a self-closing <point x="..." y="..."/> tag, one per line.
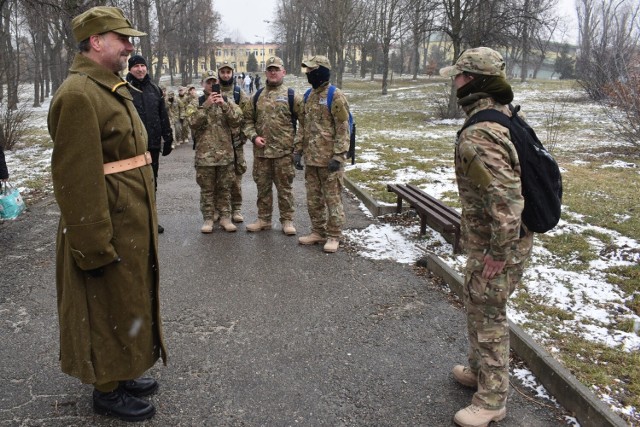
<point x="238" y="54"/>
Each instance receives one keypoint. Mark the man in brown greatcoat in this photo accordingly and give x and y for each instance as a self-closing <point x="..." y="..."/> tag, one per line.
<point x="107" y="258"/>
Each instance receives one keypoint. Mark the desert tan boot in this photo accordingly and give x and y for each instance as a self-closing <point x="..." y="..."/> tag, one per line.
<point x="225" y="222"/>
<point x="332" y="245"/>
<point x="288" y="228"/>
<point x="237" y="217"/>
<point x="259" y="225"/>
<point x="311" y="239"/>
<point x="465" y="376"/>
<point x="207" y="227"/>
<point x="475" y="416"/>
<point x="216" y="216"/>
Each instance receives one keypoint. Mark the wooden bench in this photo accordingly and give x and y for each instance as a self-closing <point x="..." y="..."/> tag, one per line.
<point x="432" y="211"/>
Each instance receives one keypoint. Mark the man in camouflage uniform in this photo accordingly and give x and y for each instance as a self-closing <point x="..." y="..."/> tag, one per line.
<point x="212" y="119"/>
<point x="232" y="91"/>
<point x="172" y="108"/>
<point x="183" y="101"/>
<point x="325" y="146"/>
<point x="496" y="241"/>
<point x="270" y="127"/>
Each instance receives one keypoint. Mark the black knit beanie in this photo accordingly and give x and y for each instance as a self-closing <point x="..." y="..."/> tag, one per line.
<point x="135" y="60"/>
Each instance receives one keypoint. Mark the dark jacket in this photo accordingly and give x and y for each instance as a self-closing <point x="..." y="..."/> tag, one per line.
<point x="4" y="172"/>
<point x="92" y="121"/>
<point x="152" y="111"/>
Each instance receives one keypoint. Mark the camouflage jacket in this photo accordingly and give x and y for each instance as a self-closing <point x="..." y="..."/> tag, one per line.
<point x="488" y="176"/>
<point x="212" y="127"/>
<point x="272" y="121"/>
<point x="326" y="134"/>
<point x="172" y="108"/>
<point x="183" y="101"/>
<point x="238" y="132"/>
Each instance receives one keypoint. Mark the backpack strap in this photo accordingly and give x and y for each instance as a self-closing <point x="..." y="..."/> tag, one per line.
<point x="255" y="100"/>
<point x="294" y="117"/>
<point x="330" y="92"/>
<point x="306" y="95"/>
<point x="236" y="94"/>
<point x="489" y="115"/>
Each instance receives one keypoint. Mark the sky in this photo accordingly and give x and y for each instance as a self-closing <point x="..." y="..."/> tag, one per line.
<point x="244" y="19"/>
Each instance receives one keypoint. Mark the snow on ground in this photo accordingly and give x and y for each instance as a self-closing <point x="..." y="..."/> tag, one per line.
<point x="594" y="303"/>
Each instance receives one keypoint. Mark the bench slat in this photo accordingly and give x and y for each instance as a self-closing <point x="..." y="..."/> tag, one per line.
<point x="432" y="211"/>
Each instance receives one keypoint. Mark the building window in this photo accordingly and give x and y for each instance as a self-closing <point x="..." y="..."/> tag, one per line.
<point x="270" y="51"/>
<point x="241" y="64"/>
<point x="226" y="52"/>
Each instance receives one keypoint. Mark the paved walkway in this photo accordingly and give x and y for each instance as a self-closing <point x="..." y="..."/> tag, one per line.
<point x="261" y="331"/>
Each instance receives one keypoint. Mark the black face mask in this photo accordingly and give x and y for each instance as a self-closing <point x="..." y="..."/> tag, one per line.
<point x="318" y="76"/>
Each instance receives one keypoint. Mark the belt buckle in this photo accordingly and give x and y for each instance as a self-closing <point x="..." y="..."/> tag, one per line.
<point x="147" y="158"/>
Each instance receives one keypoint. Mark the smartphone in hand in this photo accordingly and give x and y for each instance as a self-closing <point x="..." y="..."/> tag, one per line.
<point x="215" y="88"/>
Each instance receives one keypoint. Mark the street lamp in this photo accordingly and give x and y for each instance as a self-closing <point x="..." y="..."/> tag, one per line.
<point x="264" y="61"/>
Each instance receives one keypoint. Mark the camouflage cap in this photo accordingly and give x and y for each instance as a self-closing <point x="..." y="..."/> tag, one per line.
<point x="317" y="61"/>
<point x="208" y="75"/>
<point x="102" y="19"/>
<point x="225" y="64"/>
<point x="274" y="61"/>
<point x="479" y="60"/>
<point x="182" y="89"/>
<point x="171" y="93"/>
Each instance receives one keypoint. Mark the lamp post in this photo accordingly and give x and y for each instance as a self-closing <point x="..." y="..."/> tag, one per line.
<point x="264" y="60"/>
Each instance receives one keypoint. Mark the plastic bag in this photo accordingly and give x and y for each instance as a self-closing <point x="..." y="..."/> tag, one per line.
<point x="11" y="203"/>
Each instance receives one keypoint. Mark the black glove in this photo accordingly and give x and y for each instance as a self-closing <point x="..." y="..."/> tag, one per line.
<point x="99" y="272"/>
<point x="297" y="161"/>
<point x="166" y="148"/>
<point x="96" y="272"/>
<point x="334" y="165"/>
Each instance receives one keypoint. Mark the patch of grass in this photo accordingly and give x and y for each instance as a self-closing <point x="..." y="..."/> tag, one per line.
<point x="570" y="247"/>
<point x="598" y="365"/>
<point x="555" y="312"/>
<point x="607" y="197"/>
<point x="626" y="277"/>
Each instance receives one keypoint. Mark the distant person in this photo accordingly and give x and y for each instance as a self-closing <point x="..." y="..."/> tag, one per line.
<point x="495" y="239"/>
<point x="270" y="127"/>
<point x="4" y="172"/>
<point x="325" y="145"/>
<point x="256" y="79"/>
<point x="212" y="119"/>
<point x="247" y="83"/>
<point x="183" y="101"/>
<point x="149" y="102"/>
<point x="233" y="91"/>
<point x="107" y="247"/>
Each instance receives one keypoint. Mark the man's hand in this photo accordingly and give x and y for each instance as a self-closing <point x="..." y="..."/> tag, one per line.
<point x="492" y="268"/>
<point x="166" y="148"/>
<point x="334" y="165"/>
<point x="297" y="161"/>
<point x="259" y="142"/>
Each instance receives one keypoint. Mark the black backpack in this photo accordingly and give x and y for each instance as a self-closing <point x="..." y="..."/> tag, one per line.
<point x="540" y="174"/>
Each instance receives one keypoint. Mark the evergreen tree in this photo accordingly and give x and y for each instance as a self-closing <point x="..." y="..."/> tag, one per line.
<point x="252" y="63"/>
<point x="565" y="64"/>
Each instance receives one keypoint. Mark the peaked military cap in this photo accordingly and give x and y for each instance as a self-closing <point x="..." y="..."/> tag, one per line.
<point x="208" y="75"/>
<point x="479" y="60"/>
<point x="225" y="64"/>
<point x="102" y="19"/>
<point x="274" y="61"/>
<point x="317" y="61"/>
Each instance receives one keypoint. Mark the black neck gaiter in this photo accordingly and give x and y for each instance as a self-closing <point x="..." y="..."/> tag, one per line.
<point x="318" y="76"/>
<point x="496" y="87"/>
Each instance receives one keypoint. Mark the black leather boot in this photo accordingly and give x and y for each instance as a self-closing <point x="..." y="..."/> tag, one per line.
<point x="122" y="405"/>
<point x="140" y="387"/>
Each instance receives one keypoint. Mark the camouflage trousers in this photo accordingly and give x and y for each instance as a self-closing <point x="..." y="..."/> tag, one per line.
<point x="324" y="200"/>
<point x="486" y="306"/>
<point x="266" y="173"/>
<point x="215" y="186"/>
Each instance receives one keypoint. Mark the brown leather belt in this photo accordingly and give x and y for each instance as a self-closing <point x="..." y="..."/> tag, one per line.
<point x="127" y="164"/>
